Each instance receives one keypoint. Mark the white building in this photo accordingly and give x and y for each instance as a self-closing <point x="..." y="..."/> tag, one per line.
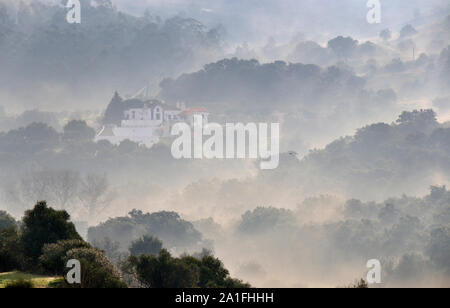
<point x="147" y="124"/>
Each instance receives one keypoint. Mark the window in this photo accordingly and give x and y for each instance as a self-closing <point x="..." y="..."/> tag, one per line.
<point x="157" y="113"/>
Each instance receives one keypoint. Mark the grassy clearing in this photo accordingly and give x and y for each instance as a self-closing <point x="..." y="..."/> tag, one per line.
<point x="37" y="280"/>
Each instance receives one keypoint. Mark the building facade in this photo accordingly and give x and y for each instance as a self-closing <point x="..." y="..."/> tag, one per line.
<point x="146" y="125"/>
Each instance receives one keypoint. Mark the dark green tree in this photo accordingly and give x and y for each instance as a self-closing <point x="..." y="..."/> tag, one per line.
<point x="44" y="225"/>
<point x="146" y="245"/>
<point x="78" y="131"/>
<point x="114" y="111"/>
<point x="213" y="274"/>
<point x="11" y="252"/>
<point x="164" y="271"/>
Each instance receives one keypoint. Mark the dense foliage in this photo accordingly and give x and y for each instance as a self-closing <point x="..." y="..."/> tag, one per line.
<point x="146" y="245"/>
<point x="97" y="270"/>
<point x="44" y="225"/>
<point x="54" y="256"/>
<point x="165" y="271"/>
<point x="46" y="242"/>
<point x="11" y="250"/>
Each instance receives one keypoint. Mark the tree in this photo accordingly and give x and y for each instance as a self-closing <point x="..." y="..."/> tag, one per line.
<point x="165" y="271"/>
<point x="94" y="194"/>
<point x="343" y="46"/>
<point x="6" y="221"/>
<point x="213" y="274"/>
<point x="264" y="219"/>
<point x="444" y="61"/>
<point x="146" y="245"/>
<point x="44" y="225"/>
<point x="36" y="137"/>
<point x="114" y="111"/>
<point x="407" y="30"/>
<point x="29" y="117"/>
<point x="110" y="248"/>
<point x="78" y="131"/>
<point x="64" y="187"/>
<point x="60" y="187"/>
<point x="419" y="118"/>
<point x="386" y="34"/>
<point x="438" y="248"/>
<point x="169" y="227"/>
<point x="11" y="252"/>
<point x="121" y="229"/>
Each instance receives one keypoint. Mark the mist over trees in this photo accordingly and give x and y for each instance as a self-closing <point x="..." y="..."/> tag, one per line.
<point x="247" y="21"/>
<point x="364" y="111"/>
<point x="408" y="234"/>
<point x="403" y="156"/>
<point x="176" y="234"/>
<point x="47" y="240"/>
<point x="108" y="50"/>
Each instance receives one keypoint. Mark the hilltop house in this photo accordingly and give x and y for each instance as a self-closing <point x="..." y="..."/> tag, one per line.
<point x="144" y="121"/>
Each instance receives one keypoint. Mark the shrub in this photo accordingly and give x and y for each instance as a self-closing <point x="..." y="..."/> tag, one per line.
<point x="359" y="284"/>
<point x="96" y="270"/>
<point x="20" y="284"/>
<point x="54" y="256"/>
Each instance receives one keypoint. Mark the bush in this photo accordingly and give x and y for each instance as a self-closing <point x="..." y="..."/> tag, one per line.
<point x="147" y="245"/>
<point x="359" y="284"/>
<point x="44" y="225"/>
<point x="54" y="256"/>
<point x="96" y="270"/>
<point x="20" y="284"/>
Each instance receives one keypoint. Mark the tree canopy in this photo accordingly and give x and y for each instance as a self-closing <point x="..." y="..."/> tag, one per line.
<point x="44" y="225"/>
